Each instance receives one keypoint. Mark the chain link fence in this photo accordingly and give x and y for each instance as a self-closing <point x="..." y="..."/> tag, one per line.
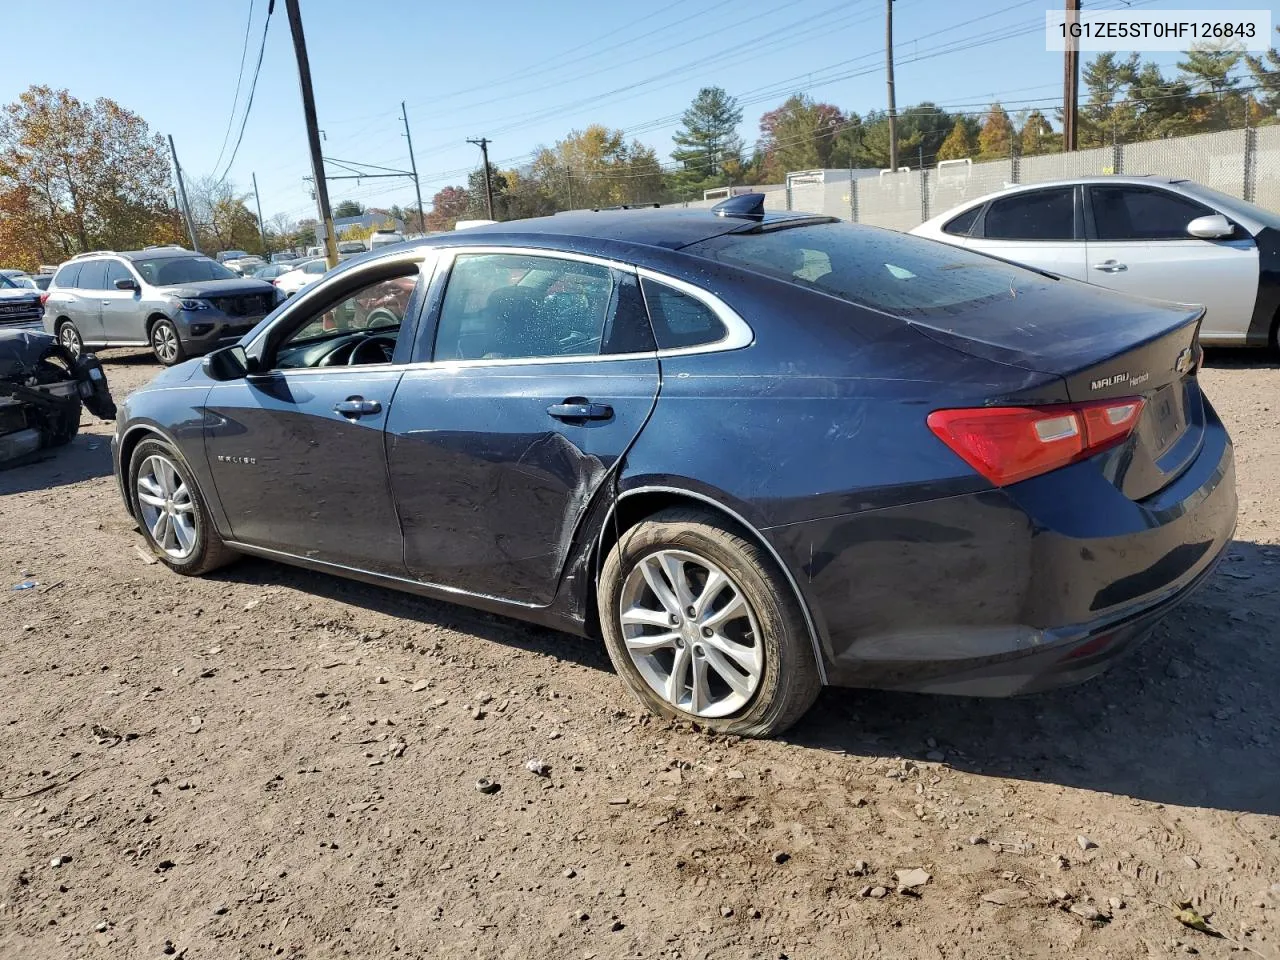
<point x="1243" y="163"/>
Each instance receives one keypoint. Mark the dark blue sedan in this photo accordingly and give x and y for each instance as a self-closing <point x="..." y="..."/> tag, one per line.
<point x="755" y="452"/>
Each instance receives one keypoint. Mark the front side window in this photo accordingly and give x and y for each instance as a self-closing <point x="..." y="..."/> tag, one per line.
<point x="507" y="306"/>
<point x="679" y="320"/>
<point x="1035" y="215"/>
<point x="169" y="271"/>
<point x="1135" y="213"/>
<point x="362" y="328"/>
<point x="116" y="271"/>
<point x="93" y="275"/>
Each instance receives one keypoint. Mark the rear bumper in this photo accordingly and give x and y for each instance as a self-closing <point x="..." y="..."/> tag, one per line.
<point x="1010" y="591"/>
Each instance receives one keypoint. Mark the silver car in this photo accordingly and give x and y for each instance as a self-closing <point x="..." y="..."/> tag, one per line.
<point x="175" y="301"/>
<point x="1155" y="237"/>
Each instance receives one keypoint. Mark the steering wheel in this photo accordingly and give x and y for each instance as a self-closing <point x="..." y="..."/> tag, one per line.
<point x="372" y="350"/>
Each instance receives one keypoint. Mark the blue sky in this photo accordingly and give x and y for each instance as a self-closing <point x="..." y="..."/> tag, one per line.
<point x="522" y="73"/>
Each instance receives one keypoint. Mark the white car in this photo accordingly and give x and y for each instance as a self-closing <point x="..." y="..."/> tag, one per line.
<point x="1154" y="237"/>
<point x="384" y="238"/>
<point x="304" y="273"/>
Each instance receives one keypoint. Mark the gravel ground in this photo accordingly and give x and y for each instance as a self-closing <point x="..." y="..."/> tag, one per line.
<point x="272" y="762"/>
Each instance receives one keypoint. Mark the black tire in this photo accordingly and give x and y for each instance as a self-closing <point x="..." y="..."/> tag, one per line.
<point x="789" y="681"/>
<point x="69" y="336"/>
<point x="209" y="551"/>
<point x="166" y="344"/>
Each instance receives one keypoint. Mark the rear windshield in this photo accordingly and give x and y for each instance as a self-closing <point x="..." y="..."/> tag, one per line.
<point x="166" y="271"/>
<point x="881" y="269"/>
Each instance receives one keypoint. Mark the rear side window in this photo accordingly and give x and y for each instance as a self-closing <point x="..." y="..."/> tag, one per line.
<point x="1134" y="213"/>
<point x="678" y="319"/>
<point x="961" y="225"/>
<point x="889" y="271"/>
<point x="93" y="275"/>
<point x="1036" y="215"/>
<point x="67" y="275"/>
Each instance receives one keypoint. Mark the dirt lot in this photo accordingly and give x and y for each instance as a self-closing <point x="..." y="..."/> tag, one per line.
<point x="273" y="762"/>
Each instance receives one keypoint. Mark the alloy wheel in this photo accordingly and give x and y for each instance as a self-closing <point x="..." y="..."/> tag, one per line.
<point x="691" y="633"/>
<point x="164" y="500"/>
<point x="164" y="340"/>
<point x="69" y="337"/>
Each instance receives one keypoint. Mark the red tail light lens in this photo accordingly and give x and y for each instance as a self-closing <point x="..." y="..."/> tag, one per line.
<point x="1009" y="444"/>
<point x="44" y="298"/>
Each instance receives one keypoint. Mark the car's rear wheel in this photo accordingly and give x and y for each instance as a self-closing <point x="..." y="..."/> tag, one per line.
<point x="70" y="338"/>
<point x="701" y="625"/>
<point x="171" y="513"/>
<point x="165" y="343"/>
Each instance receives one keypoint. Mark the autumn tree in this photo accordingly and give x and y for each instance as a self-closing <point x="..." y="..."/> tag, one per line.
<point x="799" y="135"/>
<point x="1036" y="136"/>
<point x="448" y="206"/>
<point x="995" y="139"/>
<point x="959" y="143"/>
<point x="708" y="148"/>
<point x="222" y="215"/>
<point x="598" y="167"/>
<point x="79" y="176"/>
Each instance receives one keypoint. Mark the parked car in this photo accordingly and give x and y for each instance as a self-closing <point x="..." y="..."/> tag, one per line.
<point x="42" y="388"/>
<point x="177" y="302"/>
<point x="384" y="238"/>
<point x="226" y="255"/>
<point x="308" y="271"/>
<point x="269" y="271"/>
<point x="757" y="451"/>
<point x="20" y="305"/>
<point x="1156" y="237"/>
<point x="351" y="248"/>
<point x="284" y="256"/>
<point x="246" y="265"/>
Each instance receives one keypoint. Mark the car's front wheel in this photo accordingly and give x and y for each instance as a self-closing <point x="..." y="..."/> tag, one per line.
<point x="701" y="625"/>
<point x="166" y="344"/>
<point x="171" y="514"/>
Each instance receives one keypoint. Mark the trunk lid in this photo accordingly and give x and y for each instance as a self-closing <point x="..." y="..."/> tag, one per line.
<point x="1103" y="346"/>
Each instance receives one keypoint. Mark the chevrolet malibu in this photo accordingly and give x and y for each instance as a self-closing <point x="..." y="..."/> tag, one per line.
<point x="754" y="452"/>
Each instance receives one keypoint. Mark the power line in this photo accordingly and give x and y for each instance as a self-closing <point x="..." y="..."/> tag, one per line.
<point x="235" y="99"/>
<point x="253" y="86"/>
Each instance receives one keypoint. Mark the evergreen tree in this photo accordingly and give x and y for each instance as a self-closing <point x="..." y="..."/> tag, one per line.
<point x="1266" y="76"/>
<point x="708" y="146"/>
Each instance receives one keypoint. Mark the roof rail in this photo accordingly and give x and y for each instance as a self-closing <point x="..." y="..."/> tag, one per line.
<point x="749" y="206"/>
<point x="91" y="253"/>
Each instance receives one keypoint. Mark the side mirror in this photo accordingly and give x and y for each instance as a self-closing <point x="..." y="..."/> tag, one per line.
<point x="126" y="283"/>
<point x="229" y="363"/>
<point x="1212" y="227"/>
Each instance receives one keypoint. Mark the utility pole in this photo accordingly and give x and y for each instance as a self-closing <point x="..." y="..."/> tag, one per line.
<point x="182" y="189"/>
<point x="404" y="115"/>
<point x="483" y="144"/>
<point x="262" y="227"/>
<point x="313" y="131"/>
<point x="888" y="69"/>
<point x="1071" y="80"/>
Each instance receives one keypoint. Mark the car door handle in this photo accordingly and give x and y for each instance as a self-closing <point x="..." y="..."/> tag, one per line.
<point x="575" y="409"/>
<point x="353" y="408"/>
<point x="1110" y="266"/>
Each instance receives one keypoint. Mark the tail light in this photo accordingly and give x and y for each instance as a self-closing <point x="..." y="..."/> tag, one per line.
<point x="44" y="298"/>
<point x="1009" y="444"/>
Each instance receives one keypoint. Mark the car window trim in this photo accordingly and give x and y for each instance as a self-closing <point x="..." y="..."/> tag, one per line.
<point x="738" y="332"/>
<point x="321" y="290"/>
<point x="1092" y="230"/>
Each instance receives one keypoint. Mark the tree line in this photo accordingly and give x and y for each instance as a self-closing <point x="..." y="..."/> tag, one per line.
<point x="79" y="176"/>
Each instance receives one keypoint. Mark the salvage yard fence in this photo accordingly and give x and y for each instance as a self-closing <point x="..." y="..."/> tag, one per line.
<point x="1244" y="163"/>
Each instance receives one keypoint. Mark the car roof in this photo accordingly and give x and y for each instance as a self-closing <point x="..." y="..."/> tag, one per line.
<point x="670" y="228"/>
<point x="157" y="254"/>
